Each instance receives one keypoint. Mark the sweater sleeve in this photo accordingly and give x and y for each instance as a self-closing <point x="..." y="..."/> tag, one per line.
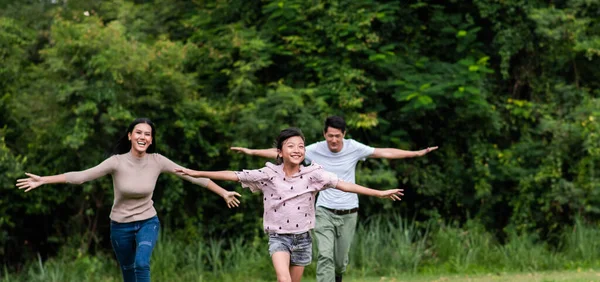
<point x="104" y="168"/>
<point x="169" y="167"/>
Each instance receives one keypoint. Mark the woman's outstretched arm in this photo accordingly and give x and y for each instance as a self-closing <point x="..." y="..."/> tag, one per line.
<point x="34" y="181"/>
<point x="73" y="177"/>
<point x="229" y="196"/>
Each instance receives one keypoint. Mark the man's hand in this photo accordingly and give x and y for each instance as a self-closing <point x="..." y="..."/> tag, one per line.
<point x="241" y="150"/>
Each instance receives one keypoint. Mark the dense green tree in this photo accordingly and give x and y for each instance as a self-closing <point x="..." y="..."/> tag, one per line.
<point x="507" y="89"/>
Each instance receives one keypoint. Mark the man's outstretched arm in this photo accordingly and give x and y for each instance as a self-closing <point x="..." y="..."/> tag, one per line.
<point x="265" y="153"/>
<point x="393" y="153"/>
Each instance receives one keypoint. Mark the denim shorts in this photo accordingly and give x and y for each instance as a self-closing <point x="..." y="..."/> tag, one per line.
<point x="299" y="246"/>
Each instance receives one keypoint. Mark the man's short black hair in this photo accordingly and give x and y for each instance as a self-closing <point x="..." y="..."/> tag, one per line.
<point x="336" y="122"/>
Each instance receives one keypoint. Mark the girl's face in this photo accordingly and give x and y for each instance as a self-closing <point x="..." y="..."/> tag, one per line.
<point x="140" y="137"/>
<point x="292" y="150"/>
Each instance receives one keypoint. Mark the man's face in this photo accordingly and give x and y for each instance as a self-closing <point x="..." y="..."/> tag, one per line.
<point x="334" y="138"/>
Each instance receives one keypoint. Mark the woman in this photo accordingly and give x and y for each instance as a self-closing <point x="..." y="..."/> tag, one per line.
<point x="289" y="190"/>
<point x="135" y="168"/>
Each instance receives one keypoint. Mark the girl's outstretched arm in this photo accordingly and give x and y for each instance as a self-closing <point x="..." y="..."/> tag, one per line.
<point x="393" y="194"/>
<point x="227" y="175"/>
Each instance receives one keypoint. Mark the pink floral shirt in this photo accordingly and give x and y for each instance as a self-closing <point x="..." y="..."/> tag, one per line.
<point x="289" y="202"/>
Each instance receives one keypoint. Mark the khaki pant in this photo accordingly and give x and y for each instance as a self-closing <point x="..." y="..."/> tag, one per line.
<point x="334" y="234"/>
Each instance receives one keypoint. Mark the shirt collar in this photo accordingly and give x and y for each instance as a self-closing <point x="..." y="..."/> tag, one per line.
<point x="303" y="169"/>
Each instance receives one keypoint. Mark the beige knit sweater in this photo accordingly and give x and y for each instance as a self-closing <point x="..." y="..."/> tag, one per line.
<point x="134" y="180"/>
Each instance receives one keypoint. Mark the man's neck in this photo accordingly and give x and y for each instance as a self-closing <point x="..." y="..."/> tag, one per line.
<point x="341" y="148"/>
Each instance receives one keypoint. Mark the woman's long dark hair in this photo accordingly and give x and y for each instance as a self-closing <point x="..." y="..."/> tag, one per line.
<point x="285" y="135"/>
<point x="124" y="144"/>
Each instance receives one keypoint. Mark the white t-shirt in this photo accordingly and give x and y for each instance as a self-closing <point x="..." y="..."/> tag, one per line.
<point x="342" y="163"/>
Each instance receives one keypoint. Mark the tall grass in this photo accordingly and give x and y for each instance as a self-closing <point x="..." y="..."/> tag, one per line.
<point x="383" y="246"/>
<point x="525" y="252"/>
<point x="64" y="268"/>
<point x="473" y="250"/>
<point x="215" y="260"/>
<point x="582" y="242"/>
<point x="461" y="250"/>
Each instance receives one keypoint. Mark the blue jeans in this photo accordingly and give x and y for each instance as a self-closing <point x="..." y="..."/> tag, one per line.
<point x="133" y="243"/>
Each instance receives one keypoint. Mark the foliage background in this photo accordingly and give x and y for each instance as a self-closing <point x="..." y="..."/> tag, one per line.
<point x="507" y="89"/>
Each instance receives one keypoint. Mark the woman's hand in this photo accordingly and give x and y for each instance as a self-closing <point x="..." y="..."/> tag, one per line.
<point x="231" y="200"/>
<point x="30" y="183"/>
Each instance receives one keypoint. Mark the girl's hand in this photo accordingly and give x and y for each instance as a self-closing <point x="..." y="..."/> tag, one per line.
<point x="30" y="183"/>
<point x="393" y="194"/>
<point x="231" y="200"/>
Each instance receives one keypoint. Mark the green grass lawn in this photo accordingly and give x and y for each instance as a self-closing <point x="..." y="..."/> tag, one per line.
<point x="448" y="255"/>
<point x="571" y="276"/>
<point x="567" y="275"/>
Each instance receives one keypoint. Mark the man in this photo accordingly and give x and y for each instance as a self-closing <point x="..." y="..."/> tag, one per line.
<point x="336" y="213"/>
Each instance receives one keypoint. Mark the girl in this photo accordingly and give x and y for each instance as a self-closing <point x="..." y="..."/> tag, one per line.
<point x="289" y="190"/>
<point x="135" y="168"/>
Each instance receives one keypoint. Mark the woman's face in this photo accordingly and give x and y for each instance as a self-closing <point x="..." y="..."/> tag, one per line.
<point x="292" y="150"/>
<point x="140" y="137"/>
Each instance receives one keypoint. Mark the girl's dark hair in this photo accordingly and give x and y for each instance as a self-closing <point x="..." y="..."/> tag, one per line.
<point x="124" y="144"/>
<point x="335" y="122"/>
<point x="285" y="135"/>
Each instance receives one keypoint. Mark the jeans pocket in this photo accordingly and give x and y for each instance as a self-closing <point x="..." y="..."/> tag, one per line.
<point x="307" y="239"/>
